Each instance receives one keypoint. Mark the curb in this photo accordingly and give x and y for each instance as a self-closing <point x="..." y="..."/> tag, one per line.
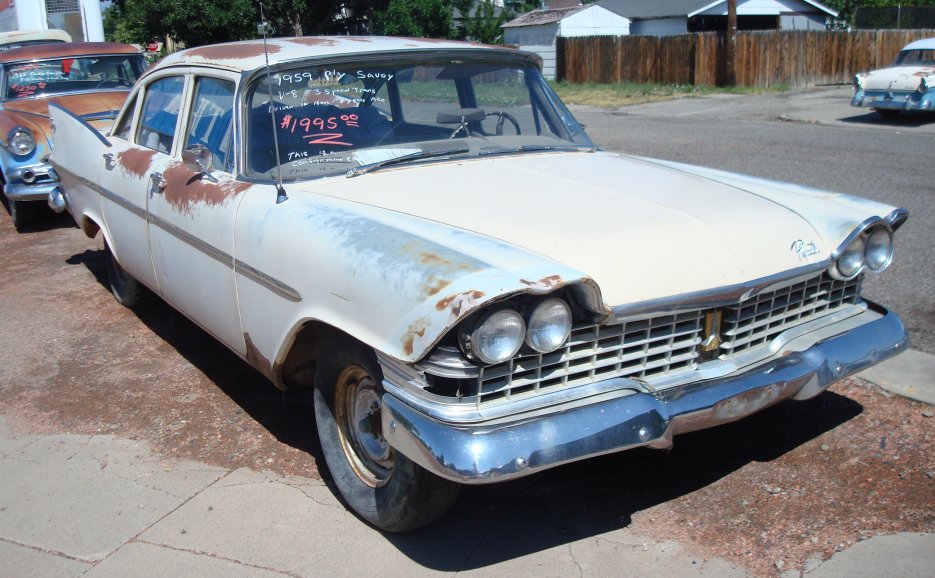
<point x="910" y="374"/>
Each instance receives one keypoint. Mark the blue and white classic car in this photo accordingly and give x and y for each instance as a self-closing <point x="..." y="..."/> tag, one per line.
<point x="909" y="84"/>
<point x="420" y="232"/>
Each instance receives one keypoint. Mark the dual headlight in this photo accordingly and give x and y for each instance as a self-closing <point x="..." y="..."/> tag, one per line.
<point x="21" y="141"/>
<point x="498" y="335"/>
<point x="872" y="249"/>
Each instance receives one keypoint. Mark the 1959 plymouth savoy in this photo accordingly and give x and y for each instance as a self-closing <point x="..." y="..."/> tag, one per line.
<point x="909" y="84"/>
<point x="420" y="231"/>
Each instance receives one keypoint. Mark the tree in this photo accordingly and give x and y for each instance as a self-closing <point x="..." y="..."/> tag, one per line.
<point x="191" y="23"/>
<point x="417" y="18"/>
<point x="481" y="23"/>
<point x="847" y="8"/>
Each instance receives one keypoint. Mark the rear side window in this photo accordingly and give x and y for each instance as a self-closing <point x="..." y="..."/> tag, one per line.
<point x="160" y="114"/>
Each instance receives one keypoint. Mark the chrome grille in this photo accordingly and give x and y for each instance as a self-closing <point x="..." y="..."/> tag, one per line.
<point x="759" y="320"/>
<point x="664" y="346"/>
<point x="645" y="348"/>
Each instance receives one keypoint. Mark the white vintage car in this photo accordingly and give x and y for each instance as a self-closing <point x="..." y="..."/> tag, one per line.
<point x="909" y="84"/>
<point x="420" y="231"/>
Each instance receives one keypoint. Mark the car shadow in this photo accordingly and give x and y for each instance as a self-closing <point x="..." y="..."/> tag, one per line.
<point x="45" y="220"/>
<point x="494" y="523"/>
<point x="911" y="119"/>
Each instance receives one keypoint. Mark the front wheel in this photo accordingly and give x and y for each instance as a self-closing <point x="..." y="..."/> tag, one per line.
<point x="23" y="212"/>
<point x="384" y="487"/>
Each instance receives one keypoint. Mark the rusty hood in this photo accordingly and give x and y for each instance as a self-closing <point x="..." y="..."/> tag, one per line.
<point x="641" y="229"/>
<point x="36" y="111"/>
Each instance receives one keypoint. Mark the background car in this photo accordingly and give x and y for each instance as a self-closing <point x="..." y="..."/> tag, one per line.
<point x="421" y="233"/>
<point x="21" y="38"/>
<point x="92" y="79"/>
<point x="909" y="84"/>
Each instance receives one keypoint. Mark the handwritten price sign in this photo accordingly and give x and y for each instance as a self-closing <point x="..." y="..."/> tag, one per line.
<point x="314" y="128"/>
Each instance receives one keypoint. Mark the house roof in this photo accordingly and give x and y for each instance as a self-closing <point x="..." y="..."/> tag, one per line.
<point x="648" y="9"/>
<point x="547" y="16"/>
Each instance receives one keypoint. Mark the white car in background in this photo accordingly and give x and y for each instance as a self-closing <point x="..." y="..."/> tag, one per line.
<point x="421" y="232"/>
<point x="909" y="84"/>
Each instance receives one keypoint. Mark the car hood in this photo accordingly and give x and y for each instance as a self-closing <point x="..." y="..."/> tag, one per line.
<point x="36" y="111"/>
<point x="641" y="229"/>
<point x="897" y="78"/>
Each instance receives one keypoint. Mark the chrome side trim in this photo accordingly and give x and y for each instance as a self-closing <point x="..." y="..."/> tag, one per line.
<point x="524" y="444"/>
<point x="236" y="265"/>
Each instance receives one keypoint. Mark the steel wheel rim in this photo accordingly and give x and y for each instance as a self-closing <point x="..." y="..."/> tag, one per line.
<point x="358" y="413"/>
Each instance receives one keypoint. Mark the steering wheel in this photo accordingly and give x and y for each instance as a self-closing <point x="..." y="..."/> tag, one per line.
<point x="502" y="116"/>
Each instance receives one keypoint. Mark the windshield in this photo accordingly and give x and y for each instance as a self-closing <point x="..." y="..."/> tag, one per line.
<point x="335" y="119"/>
<point x="64" y="75"/>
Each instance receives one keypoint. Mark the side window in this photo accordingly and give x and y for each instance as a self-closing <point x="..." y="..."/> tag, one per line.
<point x="160" y="113"/>
<point x="122" y="130"/>
<point x="211" y="124"/>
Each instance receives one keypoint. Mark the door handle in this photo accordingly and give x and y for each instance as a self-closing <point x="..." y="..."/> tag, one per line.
<point x="109" y="160"/>
<point x="158" y="184"/>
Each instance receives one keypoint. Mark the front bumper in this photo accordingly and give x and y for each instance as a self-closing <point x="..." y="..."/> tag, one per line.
<point x="879" y="99"/>
<point x="480" y="453"/>
<point x="30" y="183"/>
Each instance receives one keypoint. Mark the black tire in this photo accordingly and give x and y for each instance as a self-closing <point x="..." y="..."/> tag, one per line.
<point x="888" y="113"/>
<point x="23" y="212"/>
<point x="127" y="291"/>
<point x="384" y="487"/>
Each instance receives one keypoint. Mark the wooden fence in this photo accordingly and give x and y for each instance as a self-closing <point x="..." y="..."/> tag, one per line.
<point x="763" y="59"/>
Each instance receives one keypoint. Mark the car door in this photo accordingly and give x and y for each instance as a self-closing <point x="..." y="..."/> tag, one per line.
<point x="123" y="178"/>
<point x="191" y="213"/>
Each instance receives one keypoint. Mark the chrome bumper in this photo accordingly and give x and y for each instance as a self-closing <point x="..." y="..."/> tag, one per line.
<point x="897" y="101"/>
<point x="481" y="453"/>
<point x="30" y="183"/>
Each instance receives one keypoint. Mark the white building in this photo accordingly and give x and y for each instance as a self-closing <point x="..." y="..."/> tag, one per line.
<point x="668" y="17"/>
<point x="536" y="31"/>
<point x="82" y="19"/>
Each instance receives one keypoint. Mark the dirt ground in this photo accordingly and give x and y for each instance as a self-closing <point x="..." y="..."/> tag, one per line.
<point x="773" y="493"/>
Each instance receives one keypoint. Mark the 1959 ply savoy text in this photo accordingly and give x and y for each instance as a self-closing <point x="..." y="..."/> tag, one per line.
<point x="473" y="290"/>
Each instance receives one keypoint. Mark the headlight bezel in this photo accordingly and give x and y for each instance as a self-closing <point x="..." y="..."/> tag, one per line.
<point x="528" y="309"/>
<point x="859" y="243"/>
<point x="25" y="136"/>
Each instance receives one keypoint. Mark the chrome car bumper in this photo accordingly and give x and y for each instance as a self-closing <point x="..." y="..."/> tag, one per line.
<point x="480" y="453"/>
<point x="894" y="101"/>
<point x="30" y="183"/>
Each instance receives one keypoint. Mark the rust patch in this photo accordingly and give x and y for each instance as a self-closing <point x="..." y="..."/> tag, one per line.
<point x="313" y="41"/>
<point x="433" y="259"/>
<point x="437" y="287"/>
<point x="136" y="161"/>
<point x="544" y="283"/>
<point x="234" y="51"/>
<point x="416" y="329"/>
<point x="185" y="189"/>
<point x="256" y="359"/>
<point x="458" y="301"/>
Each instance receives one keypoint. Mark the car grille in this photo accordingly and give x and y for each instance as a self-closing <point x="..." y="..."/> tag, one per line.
<point x="666" y="345"/>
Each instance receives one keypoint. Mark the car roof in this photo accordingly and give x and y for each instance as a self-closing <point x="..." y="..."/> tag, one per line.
<point x="52" y="35"/>
<point x="251" y="54"/>
<point x="924" y="44"/>
<point x="65" y="49"/>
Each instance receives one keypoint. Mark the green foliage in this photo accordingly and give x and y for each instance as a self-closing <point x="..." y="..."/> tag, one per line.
<point x="417" y="18"/>
<point x="191" y="23"/>
<point x="847" y="8"/>
<point x="483" y="25"/>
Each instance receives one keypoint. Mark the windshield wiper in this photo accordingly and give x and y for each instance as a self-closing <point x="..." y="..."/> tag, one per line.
<point x="425" y="153"/>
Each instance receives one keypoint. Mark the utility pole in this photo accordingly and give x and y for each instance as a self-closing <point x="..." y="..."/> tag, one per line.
<point x="730" y="76"/>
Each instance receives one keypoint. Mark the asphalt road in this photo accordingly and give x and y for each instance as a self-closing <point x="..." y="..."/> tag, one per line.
<point x="811" y="138"/>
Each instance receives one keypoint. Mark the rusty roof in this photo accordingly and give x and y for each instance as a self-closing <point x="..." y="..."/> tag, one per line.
<point x="250" y="54"/>
<point x="541" y="17"/>
<point x="64" y="50"/>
